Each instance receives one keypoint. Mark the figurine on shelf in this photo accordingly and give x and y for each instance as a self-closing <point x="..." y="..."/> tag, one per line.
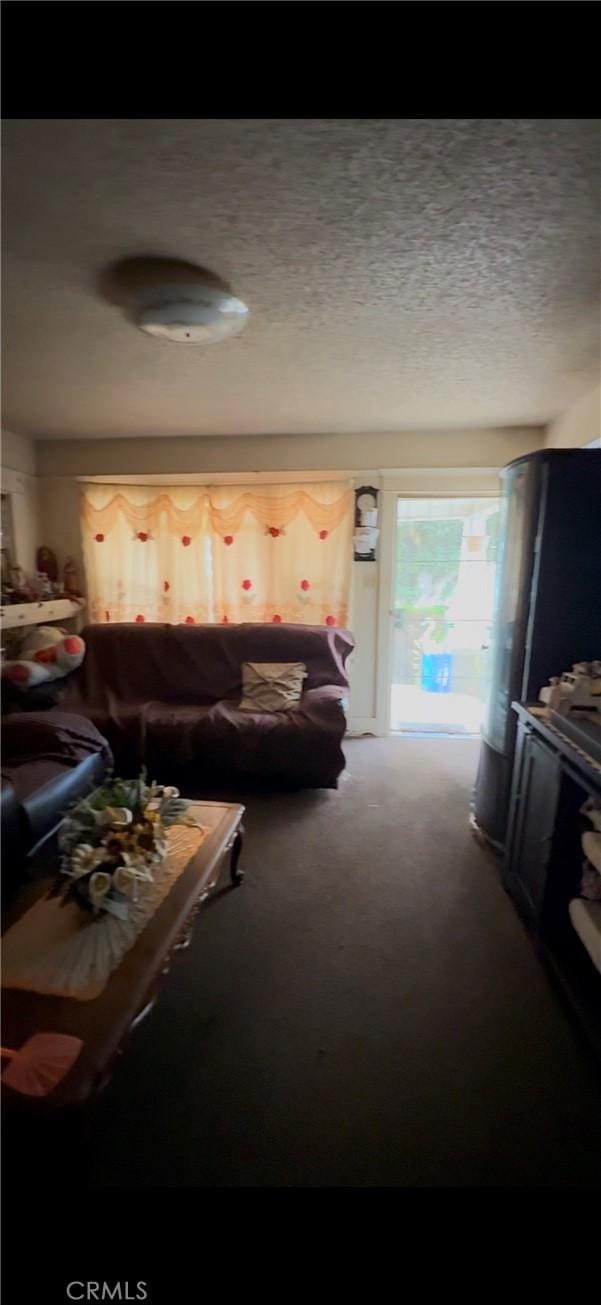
<point x="47" y="564"/>
<point x="578" y="689"/>
<point x="71" y="587"/>
<point x="42" y="585"/>
<point x="22" y="590"/>
<point x="554" y="695"/>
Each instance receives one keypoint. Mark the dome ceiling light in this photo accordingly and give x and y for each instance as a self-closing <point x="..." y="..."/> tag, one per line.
<point x="175" y="301"/>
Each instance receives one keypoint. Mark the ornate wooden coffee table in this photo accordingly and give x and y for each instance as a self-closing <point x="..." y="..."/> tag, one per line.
<point x="103" y="1023"/>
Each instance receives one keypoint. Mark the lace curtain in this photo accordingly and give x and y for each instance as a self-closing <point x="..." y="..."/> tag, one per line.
<point x="225" y="554"/>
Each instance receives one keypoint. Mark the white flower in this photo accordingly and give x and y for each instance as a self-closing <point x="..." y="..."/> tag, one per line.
<point x="161" y="791"/>
<point x="84" y="858"/>
<point x="116" y="817"/>
<point x="130" y="859"/>
<point x="124" y="880"/>
<point x="133" y="861"/>
<point x="137" y="864"/>
<point x="99" y="886"/>
<point x="159" y="850"/>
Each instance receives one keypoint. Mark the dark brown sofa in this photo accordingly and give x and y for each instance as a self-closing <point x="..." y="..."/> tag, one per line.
<point x="168" y="695"/>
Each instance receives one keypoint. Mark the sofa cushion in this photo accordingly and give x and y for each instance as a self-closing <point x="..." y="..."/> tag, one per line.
<point x="52" y="735"/>
<point x="12" y="839"/>
<point x="49" y="760"/>
<point x="223" y="740"/>
<point x="48" y="749"/>
<point x="53" y="791"/>
<point x="271" y="686"/>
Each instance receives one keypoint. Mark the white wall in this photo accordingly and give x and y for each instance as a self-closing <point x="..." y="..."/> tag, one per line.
<point x="18" y="452"/>
<point x="580" y="424"/>
<point x="19" y="480"/>
<point x="421" y="462"/>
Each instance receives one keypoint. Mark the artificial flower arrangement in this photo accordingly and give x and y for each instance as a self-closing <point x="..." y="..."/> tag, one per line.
<point x="112" y="841"/>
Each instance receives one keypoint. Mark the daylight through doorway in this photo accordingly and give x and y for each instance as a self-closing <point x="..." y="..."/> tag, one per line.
<point x="445" y="561"/>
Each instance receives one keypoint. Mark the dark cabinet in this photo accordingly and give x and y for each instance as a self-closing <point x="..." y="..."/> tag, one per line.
<point x="533" y="806"/>
<point x="553" y="776"/>
<point x="547" y="610"/>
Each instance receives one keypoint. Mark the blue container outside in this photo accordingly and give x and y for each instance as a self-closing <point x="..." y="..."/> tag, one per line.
<point x="437" y="672"/>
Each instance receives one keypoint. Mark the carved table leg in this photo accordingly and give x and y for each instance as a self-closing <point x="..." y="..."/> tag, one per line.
<point x="236" y="875"/>
<point x="185" y="937"/>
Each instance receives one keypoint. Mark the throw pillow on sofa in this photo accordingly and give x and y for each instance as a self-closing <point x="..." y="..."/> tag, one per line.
<point x="271" y="686"/>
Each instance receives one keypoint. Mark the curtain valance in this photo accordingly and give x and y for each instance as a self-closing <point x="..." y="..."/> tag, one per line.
<point x="223" y="508"/>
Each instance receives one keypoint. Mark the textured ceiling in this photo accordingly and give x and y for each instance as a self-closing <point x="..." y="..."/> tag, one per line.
<point x="401" y="273"/>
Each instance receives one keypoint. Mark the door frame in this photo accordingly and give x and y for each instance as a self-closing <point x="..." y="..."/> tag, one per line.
<point x="424" y="482"/>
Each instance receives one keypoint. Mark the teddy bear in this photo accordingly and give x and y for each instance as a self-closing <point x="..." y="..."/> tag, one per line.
<point x="47" y="653"/>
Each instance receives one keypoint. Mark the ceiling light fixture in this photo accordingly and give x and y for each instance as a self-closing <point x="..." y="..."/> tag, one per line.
<point x="174" y="300"/>
<point x="192" y="314"/>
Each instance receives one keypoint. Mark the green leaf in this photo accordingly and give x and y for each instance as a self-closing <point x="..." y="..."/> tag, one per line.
<point x="172" y="809"/>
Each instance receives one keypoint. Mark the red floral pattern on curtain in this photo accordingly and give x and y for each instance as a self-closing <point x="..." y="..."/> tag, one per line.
<point x="280" y="553"/>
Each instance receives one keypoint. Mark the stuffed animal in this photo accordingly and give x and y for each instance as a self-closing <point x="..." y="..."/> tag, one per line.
<point x="46" y="654"/>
